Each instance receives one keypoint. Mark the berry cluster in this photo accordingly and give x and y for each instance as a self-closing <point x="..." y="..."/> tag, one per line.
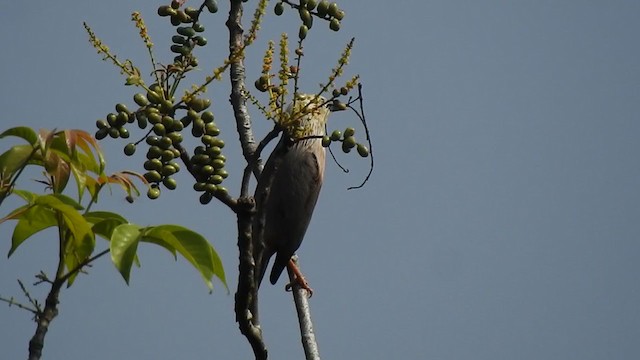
<point x="348" y="141"/>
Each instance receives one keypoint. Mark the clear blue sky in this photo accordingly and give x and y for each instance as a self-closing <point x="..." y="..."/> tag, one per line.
<point x="502" y="220"/>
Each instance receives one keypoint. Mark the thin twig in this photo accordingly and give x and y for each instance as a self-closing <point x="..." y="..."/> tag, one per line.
<point x="301" y="300"/>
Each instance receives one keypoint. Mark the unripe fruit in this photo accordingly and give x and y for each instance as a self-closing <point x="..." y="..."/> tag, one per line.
<point x="214" y="151"/>
<point x="153" y="193"/>
<point x="178" y="39"/>
<point x="217" y="164"/>
<point x="211" y="6"/>
<point x="333" y="9"/>
<point x="210" y="188"/>
<point x="211" y="129"/>
<point x="153" y="164"/>
<point x="216" y="179"/>
<point x="222" y="172"/>
<point x="199" y="186"/>
<point x="336" y="135"/>
<point x="207" y="170"/>
<point x="311" y="4"/>
<point x="221" y="190"/>
<point x="186" y="31"/>
<point x="154" y="97"/>
<point x="323" y="8"/>
<point x="154" y="152"/>
<point x="198" y="27"/>
<point x="140" y="99"/>
<point x="121" y="108"/>
<point x="200" y="40"/>
<point x="111" y="119"/>
<point x="152" y="140"/>
<point x="153" y="176"/>
<point x="326" y="141"/>
<point x="101" y="124"/>
<point x="362" y="150"/>
<point x="302" y="33"/>
<point x="167" y="155"/>
<point x="349" y="132"/>
<point x="159" y="129"/>
<point x="168" y="170"/>
<point x="183" y="17"/>
<point x="279" y="9"/>
<point x="207" y="117"/>
<point x="166" y="106"/>
<point x="170" y="183"/>
<point x="205" y="198"/>
<point x="199" y="104"/>
<point x="334" y="24"/>
<point x="193" y="12"/>
<point x="339" y="15"/>
<point x="102" y="133"/>
<point x="114" y="132"/>
<point x="123" y="133"/>
<point x="142" y="120"/>
<point x="305" y="16"/>
<point x="166" y="10"/>
<point x="345" y="148"/>
<point x="130" y="149"/>
<point x="349" y="142"/>
<point x="165" y="143"/>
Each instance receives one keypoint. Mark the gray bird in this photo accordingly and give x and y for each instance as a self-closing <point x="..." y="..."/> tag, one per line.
<point x="285" y="205"/>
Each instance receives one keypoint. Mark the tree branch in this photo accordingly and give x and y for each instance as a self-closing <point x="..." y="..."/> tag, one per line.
<point x="300" y="297"/>
<point x="246" y="295"/>
<point x="247" y="292"/>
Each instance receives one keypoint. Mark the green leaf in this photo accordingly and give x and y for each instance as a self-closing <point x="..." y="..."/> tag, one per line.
<point x="28" y="196"/>
<point x="82" y="241"/>
<point x="14" y="159"/>
<point x="123" y="245"/>
<point x="22" y="132"/>
<point x="35" y="219"/>
<point x="193" y="247"/>
<point x="104" y="222"/>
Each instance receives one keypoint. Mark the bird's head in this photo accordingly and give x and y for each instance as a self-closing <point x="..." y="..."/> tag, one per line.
<point x="306" y="116"/>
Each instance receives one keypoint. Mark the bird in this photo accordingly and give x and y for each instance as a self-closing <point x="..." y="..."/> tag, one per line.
<point x="287" y="191"/>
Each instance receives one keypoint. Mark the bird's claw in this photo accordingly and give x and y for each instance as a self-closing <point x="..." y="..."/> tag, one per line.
<point x="300" y="282"/>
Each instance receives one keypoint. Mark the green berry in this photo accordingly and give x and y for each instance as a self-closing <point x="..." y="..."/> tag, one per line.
<point x="333" y="9"/>
<point x="349" y="142"/>
<point x="186" y="31"/>
<point x="102" y="133"/>
<point x="302" y="33"/>
<point x="121" y="108"/>
<point x="130" y="149"/>
<point x="197" y="27"/>
<point x="153" y="164"/>
<point x="362" y="150"/>
<point x="153" y="176"/>
<point x="336" y="135"/>
<point x="168" y="170"/>
<point x="279" y="9"/>
<point x="349" y="132"/>
<point x="323" y="8"/>
<point x="166" y="10"/>
<point x="326" y="141"/>
<point x="205" y="198"/>
<point x="101" y="124"/>
<point x="170" y="183"/>
<point x="334" y="24"/>
<point x="153" y="192"/>
<point x="212" y="6"/>
<point x="154" y="152"/>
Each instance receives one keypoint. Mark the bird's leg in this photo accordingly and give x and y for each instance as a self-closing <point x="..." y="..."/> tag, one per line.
<point x="299" y="279"/>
